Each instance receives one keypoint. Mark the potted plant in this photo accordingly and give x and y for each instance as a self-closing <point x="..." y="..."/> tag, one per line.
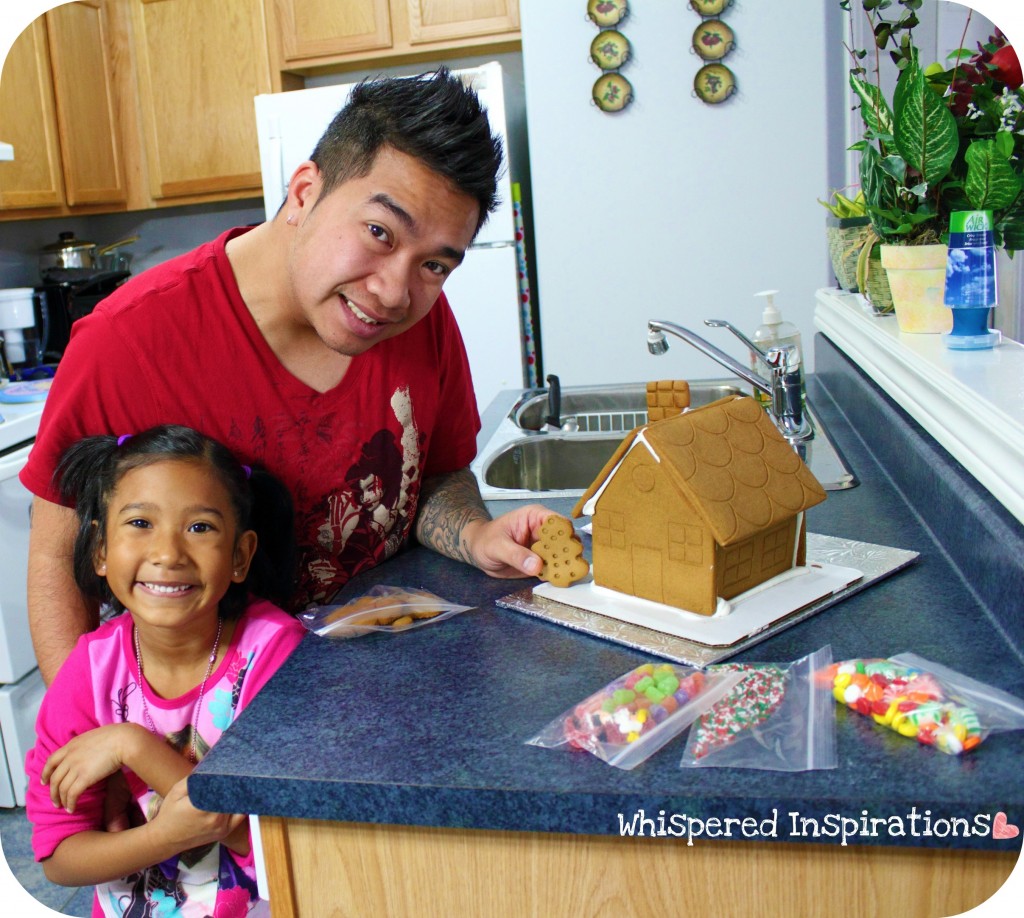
<point x="949" y="140"/>
<point x="850" y="244"/>
<point x="846" y="228"/>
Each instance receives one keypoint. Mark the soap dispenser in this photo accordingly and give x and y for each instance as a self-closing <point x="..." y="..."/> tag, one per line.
<point x="773" y="332"/>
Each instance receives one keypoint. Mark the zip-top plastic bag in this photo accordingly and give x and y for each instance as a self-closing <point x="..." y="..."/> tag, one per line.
<point x="382" y="608"/>
<point x="928" y="701"/>
<point x="778" y="717"/>
<point x="635" y="715"/>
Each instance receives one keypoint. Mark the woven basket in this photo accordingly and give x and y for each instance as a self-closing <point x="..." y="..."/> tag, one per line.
<point x="846" y="235"/>
<point x="874" y="278"/>
<point x="878" y="293"/>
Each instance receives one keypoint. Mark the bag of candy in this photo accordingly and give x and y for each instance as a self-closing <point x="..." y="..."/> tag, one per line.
<point x="633" y="716"/>
<point x="928" y="701"/>
<point x="777" y="717"/>
<point x="381" y="608"/>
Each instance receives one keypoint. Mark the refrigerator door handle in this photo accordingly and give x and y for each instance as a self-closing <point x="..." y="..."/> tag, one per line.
<point x="499" y="244"/>
<point x="275" y="154"/>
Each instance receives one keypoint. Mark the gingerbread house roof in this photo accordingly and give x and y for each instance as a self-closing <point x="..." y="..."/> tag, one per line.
<point x="730" y="462"/>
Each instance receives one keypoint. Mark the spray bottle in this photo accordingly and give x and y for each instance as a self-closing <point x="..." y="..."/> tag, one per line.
<point x="772" y="332"/>
<point x="971" y="280"/>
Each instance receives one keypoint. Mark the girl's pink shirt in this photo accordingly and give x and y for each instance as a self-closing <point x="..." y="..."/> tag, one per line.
<point x="98" y="685"/>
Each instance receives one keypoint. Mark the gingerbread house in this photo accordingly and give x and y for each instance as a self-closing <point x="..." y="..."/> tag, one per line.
<point x="702" y="505"/>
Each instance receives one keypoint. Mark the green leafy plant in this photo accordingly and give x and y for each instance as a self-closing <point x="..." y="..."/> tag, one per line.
<point x="844" y="208"/>
<point x="951" y="139"/>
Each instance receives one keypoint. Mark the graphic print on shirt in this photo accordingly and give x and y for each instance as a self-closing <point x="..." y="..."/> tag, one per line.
<point x="368" y="517"/>
<point x="181" y="887"/>
<point x="224" y="703"/>
<point x="121" y="702"/>
<point x="184" y="884"/>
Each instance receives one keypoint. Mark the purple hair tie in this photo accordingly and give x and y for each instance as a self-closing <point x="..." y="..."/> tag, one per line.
<point x="248" y="471"/>
<point x="122" y="438"/>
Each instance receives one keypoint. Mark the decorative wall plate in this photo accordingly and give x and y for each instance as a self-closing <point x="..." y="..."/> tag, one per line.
<point x="714" y="83"/>
<point x="713" y="39"/>
<point x="609" y="50"/>
<point x="612" y="92"/>
<point x="607" y="13"/>
<point x="709" y="7"/>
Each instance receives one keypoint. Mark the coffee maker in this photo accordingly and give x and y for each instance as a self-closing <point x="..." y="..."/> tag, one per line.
<point x="76" y="275"/>
<point x="21" y="341"/>
<point x="63" y="303"/>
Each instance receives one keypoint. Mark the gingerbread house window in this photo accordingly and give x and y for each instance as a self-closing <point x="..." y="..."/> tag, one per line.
<point x="776" y="549"/>
<point x="738" y="562"/>
<point x="610" y="528"/>
<point x="685" y="543"/>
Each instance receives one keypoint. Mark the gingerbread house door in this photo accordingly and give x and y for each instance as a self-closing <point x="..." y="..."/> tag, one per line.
<point x="648" y="574"/>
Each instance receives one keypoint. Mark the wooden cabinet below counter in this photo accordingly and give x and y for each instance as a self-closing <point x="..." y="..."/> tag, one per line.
<point x="323" y="35"/>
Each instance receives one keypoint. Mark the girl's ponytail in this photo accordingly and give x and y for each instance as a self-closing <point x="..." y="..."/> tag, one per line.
<point x="274" y="568"/>
<point x="85" y="476"/>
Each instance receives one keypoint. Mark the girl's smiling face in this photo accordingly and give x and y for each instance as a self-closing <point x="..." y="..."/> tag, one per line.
<point x="172" y="546"/>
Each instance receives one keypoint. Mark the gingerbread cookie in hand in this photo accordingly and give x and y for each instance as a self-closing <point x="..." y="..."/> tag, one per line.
<point x="562" y="552"/>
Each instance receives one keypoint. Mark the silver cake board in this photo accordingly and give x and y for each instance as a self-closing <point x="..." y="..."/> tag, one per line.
<point x="874" y="561"/>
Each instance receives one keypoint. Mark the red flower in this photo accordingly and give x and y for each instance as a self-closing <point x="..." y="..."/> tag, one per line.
<point x="1007" y="67"/>
<point x="961" y="96"/>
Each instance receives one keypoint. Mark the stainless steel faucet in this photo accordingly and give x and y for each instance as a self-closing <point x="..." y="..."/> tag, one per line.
<point x="784" y="387"/>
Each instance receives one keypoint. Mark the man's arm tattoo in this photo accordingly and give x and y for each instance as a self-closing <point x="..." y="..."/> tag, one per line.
<point x="447" y="504"/>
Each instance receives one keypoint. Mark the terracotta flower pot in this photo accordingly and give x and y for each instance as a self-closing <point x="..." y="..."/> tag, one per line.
<point x="917" y="279"/>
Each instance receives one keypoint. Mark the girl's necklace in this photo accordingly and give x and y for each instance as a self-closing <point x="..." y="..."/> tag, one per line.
<point x="202" y="687"/>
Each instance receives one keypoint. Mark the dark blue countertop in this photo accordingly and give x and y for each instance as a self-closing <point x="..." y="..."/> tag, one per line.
<point x="428" y="727"/>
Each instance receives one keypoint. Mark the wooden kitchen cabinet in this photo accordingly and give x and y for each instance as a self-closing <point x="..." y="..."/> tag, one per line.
<point x="317" y="35"/>
<point x="503" y="874"/>
<point x="437" y="21"/>
<point x="317" y="28"/>
<point x="29" y="122"/>
<point x="58" y="108"/>
<point x="116" y="105"/>
<point x="199" y="67"/>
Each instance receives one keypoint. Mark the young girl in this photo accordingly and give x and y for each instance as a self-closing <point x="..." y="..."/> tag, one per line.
<point x="168" y="523"/>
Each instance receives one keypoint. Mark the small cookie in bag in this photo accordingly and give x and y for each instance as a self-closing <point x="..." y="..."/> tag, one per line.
<point x="562" y="552"/>
<point x="383" y="611"/>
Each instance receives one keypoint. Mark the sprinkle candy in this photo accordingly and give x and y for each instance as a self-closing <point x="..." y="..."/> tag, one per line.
<point x="752" y="701"/>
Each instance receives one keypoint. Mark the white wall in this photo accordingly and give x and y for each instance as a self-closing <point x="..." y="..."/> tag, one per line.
<point x="675" y="209"/>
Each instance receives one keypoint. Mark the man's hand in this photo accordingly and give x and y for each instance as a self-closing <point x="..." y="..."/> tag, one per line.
<point x="501" y="547"/>
<point x="453" y="520"/>
<point x="120" y="811"/>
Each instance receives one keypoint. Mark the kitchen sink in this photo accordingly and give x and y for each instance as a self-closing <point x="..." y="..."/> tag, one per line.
<point x="608" y="408"/>
<point x="553" y="462"/>
<point x="521" y="460"/>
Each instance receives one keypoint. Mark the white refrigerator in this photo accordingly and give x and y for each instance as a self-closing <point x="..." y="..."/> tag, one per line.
<point x="484" y="291"/>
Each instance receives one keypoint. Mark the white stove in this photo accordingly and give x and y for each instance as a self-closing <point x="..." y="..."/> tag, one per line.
<point x="21" y="687"/>
<point x="20" y="423"/>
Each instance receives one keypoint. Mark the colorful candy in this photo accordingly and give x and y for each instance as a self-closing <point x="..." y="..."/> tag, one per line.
<point x="908" y="700"/>
<point x="632" y="705"/>
<point x="752" y="700"/>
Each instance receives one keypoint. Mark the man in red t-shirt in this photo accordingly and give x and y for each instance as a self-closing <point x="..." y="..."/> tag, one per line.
<point x="318" y="344"/>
